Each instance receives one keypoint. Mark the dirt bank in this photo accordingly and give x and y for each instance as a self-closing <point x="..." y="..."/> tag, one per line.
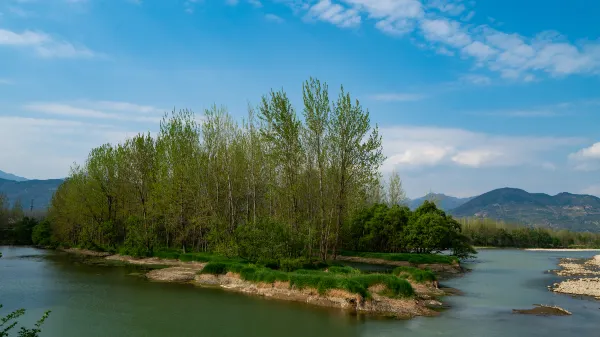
<point x="442" y="268"/>
<point x="588" y="285"/>
<point x="422" y="305"/>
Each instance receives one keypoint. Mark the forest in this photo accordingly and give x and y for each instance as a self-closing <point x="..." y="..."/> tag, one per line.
<point x="283" y="183"/>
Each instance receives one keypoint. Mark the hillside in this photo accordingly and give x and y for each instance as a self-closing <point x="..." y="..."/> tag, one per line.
<point x="10" y="176"/>
<point x="562" y="211"/>
<point x="446" y="202"/>
<point x="40" y="191"/>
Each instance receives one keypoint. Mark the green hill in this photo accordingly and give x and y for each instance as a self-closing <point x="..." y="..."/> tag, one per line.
<point x="563" y="211"/>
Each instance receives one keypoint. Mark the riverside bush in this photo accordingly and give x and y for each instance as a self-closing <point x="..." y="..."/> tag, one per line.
<point x="416" y="274"/>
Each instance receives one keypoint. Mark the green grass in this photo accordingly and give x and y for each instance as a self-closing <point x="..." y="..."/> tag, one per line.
<point x="345" y="278"/>
<point x="415" y="274"/>
<point x="409" y="257"/>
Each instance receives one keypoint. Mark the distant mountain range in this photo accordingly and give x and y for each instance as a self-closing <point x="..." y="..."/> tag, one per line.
<point x="10" y="176"/>
<point x="38" y="192"/>
<point x="444" y="202"/>
<point x="575" y="212"/>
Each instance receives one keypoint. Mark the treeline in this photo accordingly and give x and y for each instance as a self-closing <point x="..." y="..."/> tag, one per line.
<point x="16" y="225"/>
<point x="278" y="185"/>
<point x="493" y="233"/>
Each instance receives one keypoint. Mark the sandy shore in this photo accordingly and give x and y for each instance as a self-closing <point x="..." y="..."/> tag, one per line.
<point x="424" y="303"/>
<point x="588" y="285"/>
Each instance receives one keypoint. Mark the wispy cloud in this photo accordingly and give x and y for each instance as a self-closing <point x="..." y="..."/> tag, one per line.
<point x="274" y="18"/>
<point x="476" y="79"/>
<point x="5" y="81"/>
<point x="43" y="44"/>
<point x="336" y="14"/>
<point x="397" y="97"/>
<point x="441" y="25"/>
<point x="107" y="110"/>
<point x="415" y="146"/>
<point x="51" y="143"/>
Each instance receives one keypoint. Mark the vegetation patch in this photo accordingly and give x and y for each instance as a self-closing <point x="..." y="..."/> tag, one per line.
<point x="415" y="274"/>
<point x="344" y="278"/>
<point x="408" y="257"/>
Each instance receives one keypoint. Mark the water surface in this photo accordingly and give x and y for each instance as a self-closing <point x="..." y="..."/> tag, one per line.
<point x="89" y="300"/>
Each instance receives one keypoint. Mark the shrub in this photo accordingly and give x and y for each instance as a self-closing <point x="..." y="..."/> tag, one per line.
<point x="215" y="268"/>
<point x="343" y="270"/>
<point x="292" y="264"/>
<point x="416" y="274"/>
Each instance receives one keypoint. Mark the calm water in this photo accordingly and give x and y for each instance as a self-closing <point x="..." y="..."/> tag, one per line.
<point x="106" y="301"/>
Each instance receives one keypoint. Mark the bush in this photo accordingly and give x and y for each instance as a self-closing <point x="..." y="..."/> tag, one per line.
<point x="343" y="270"/>
<point x="215" y="268"/>
<point x="416" y="274"/>
<point x="292" y="264"/>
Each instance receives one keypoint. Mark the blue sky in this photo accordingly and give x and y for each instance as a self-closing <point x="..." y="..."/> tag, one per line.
<point x="469" y="95"/>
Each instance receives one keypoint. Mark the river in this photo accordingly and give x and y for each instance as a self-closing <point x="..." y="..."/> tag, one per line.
<point x="96" y="301"/>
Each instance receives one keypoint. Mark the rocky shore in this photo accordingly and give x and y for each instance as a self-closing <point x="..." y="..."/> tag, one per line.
<point x="584" y="277"/>
<point x="424" y="303"/>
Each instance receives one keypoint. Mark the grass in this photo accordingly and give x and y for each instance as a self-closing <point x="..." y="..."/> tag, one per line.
<point x="415" y="274"/>
<point x="409" y="257"/>
<point x="344" y="278"/>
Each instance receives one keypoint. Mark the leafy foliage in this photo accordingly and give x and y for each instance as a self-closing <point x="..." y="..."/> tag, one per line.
<point x="9" y="322"/>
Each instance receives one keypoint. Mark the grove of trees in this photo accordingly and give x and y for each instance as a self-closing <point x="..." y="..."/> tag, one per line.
<point x="282" y="183"/>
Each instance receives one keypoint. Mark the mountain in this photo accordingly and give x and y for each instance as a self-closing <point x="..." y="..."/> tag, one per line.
<point x="40" y="191"/>
<point x="446" y="202"/>
<point x="10" y="176"/>
<point x="563" y="211"/>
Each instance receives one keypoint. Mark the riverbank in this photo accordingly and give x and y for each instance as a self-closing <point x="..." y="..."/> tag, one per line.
<point x="449" y="268"/>
<point x="372" y="294"/>
<point x="583" y="277"/>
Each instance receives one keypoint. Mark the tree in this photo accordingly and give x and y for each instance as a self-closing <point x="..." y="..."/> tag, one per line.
<point x="396" y="194"/>
<point x="356" y="155"/>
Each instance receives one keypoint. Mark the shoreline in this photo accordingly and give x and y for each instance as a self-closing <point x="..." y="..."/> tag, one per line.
<point x="424" y="303"/>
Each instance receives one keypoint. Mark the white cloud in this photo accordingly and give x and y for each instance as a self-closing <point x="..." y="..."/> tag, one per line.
<point x="49" y="143"/>
<point x="99" y="110"/>
<point x="43" y="44"/>
<point x="448" y="32"/>
<point x="5" y="81"/>
<point x="336" y="14"/>
<point x="397" y="97"/>
<point x="586" y="159"/>
<point x="441" y="25"/>
<point x="413" y="146"/>
<point x="274" y="18"/>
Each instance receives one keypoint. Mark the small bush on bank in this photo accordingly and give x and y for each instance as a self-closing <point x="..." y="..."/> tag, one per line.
<point x="416" y="274"/>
